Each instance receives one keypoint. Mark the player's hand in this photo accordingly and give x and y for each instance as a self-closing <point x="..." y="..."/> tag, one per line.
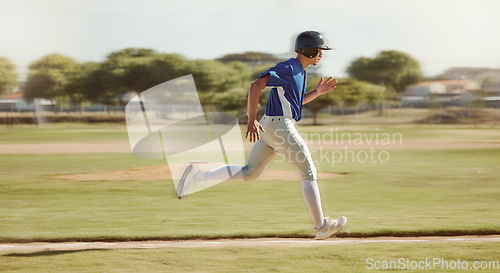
<point x="325" y="86"/>
<point x="253" y="130"/>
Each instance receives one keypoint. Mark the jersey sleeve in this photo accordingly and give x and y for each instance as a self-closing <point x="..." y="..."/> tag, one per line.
<point x="278" y="75"/>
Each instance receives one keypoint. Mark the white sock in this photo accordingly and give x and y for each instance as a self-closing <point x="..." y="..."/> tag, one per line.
<point x="224" y="173"/>
<point x="313" y="201"/>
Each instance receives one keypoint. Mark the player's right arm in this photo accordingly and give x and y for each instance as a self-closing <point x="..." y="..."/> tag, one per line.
<point x="253" y="101"/>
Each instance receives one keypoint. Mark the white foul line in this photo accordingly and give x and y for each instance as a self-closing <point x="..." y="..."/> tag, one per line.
<point x="235" y="242"/>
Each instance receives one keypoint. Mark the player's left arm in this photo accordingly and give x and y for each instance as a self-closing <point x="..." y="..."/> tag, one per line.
<point x="324" y="86"/>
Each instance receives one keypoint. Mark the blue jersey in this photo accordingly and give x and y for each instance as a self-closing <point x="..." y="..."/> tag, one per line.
<point x="288" y="81"/>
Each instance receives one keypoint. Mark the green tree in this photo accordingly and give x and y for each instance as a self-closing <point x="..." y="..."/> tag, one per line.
<point x="130" y="69"/>
<point x="131" y="52"/>
<point x="213" y="76"/>
<point x="8" y="76"/>
<point x="97" y="84"/>
<point x="393" y="69"/>
<point x="320" y="102"/>
<point x="53" y="77"/>
<point x="361" y="68"/>
<point x="348" y="92"/>
<point x="242" y="73"/>
<point x="233" y="101"/>
<point x="165" y="67"/>
<point x="353" y="93"/>
<point x="251" y="58"/>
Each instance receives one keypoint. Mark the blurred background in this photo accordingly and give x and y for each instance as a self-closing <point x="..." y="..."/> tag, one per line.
<point x="426" y="61"/>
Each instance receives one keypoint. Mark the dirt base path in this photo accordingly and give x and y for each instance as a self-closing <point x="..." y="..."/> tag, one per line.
<point x="163" y="172"/>
<point x="260" y="242"/>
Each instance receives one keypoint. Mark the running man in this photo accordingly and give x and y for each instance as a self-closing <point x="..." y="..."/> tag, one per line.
<point x="276" y="131"/>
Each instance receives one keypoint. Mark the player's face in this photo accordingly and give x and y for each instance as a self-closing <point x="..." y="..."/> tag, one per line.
<point x="318" y="57"/>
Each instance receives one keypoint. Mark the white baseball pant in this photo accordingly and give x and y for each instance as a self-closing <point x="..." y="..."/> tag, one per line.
<point x="280" y="136"/>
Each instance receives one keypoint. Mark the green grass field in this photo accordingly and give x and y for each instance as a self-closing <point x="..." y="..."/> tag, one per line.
<point x="338" y="258"/>
<point x="64" y="132"/>
<point x="388" y="198"/>
<point x="416" y="192"/>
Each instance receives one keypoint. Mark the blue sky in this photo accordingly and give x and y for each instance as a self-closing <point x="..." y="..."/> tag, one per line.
<point x="439" y="33"/>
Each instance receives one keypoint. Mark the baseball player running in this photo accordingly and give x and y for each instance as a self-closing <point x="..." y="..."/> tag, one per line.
<point x="276" y="131"/>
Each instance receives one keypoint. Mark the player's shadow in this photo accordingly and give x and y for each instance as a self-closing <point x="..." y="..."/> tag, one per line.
<point x="49" y="253"/>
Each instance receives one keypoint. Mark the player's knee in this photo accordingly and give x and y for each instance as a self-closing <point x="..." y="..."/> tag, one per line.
<point x="309" y="173"/>
<point x="250" y="174"/>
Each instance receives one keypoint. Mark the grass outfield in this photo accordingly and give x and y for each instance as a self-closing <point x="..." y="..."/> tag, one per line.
<point x="415" y="192"/>
<point x="64" y="132"/>
<point x="427" y="192"/>
<point x="113" y="132"/>
<point x="441" y="257"/>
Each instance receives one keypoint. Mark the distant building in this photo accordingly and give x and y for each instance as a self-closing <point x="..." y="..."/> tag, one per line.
<point x="16" y="102"/>
<point x="447" y="92"/>
<point x="423" y="89"/>
<point x="490" y="87"/>
<point x="490" y="82"/>
<point x="464" y="73"/>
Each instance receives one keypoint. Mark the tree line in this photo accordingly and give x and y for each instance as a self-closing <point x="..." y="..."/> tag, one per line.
<point x="222" y="84"/>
